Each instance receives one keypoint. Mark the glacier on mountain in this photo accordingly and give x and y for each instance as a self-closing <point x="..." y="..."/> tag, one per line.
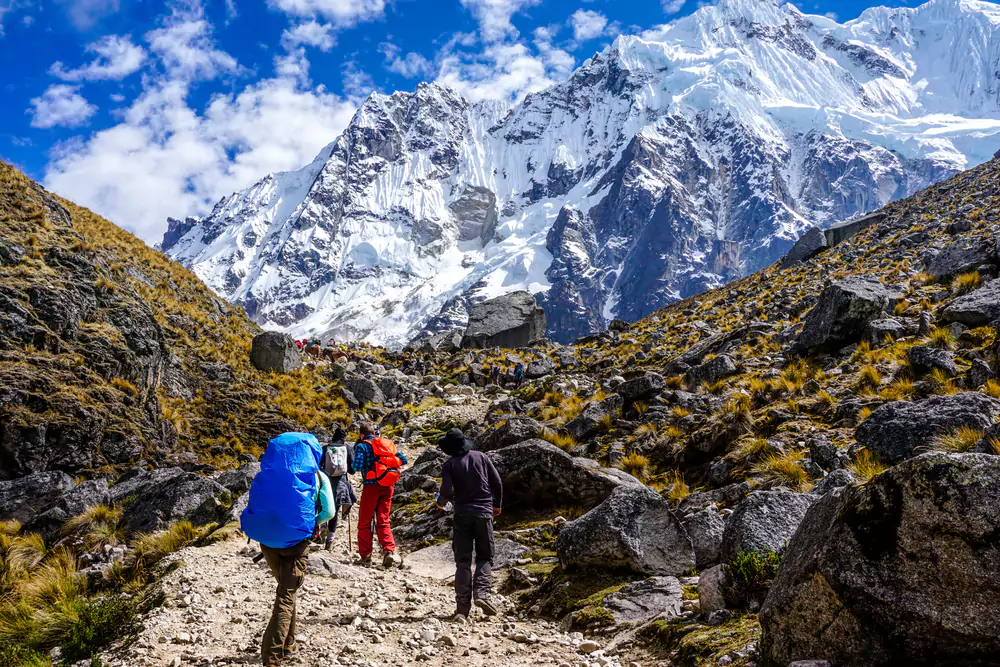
<point x="667" y="164"/>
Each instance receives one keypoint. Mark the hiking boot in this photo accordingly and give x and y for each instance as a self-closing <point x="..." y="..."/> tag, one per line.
<point x="329" y="545"/>
<point x="488" y="607"/>
<point x="461" y="616"/>
<point x="390" y="560"/>
<point x="365" y="561"/>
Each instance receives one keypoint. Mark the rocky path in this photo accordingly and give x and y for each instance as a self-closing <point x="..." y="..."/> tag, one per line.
<point x="219" y="601"/>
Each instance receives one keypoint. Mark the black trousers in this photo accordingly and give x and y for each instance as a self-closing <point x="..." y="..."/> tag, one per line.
<point x="472" y="533"/>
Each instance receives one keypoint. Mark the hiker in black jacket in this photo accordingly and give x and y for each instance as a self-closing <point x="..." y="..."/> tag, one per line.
<point x="343" y="493"/>
<point x="472" y="483"/>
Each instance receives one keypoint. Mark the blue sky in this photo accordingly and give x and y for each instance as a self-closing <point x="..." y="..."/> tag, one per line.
<point x="143" y="109"/>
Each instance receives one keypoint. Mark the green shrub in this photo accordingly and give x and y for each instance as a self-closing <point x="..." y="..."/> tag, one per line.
<point x="100" y="623"/>
<point x="15" y="655"/>
<point x="751" y="574"/>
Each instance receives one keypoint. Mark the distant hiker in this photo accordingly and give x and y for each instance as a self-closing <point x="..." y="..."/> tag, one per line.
<point x="472" y="483"/>
<point x="495" y="375"/>
<point x="518" y="375"/>
<point x="379" y="462"/>
<point x="337" y="461"/>
<point x="289" y="497"/>
<point x="300" y="344"/>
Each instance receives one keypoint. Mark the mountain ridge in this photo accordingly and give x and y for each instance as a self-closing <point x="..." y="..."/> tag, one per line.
<point x="686" y="157"/>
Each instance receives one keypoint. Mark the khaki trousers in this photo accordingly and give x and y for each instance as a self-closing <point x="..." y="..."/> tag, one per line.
<point x="289" y="568"/>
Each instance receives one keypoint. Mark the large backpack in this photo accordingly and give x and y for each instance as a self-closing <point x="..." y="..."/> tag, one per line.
<point x="335" y="460"/>
<point x="281" y="511"/>
<point x="387" y="462"/>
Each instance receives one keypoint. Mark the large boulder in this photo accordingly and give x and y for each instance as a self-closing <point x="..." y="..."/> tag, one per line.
<point x="539" y="368"/>
<point x="895" y="430"/>
<point x="633" y="529"/>
<point x="589" y="421"/>
<point x="86" y="494"/>
<point x="511" y="320"/>
<point x="640" y="601"/>
<point x="977" y="308"/>
<point x="711" y="371"/>
<point x="926" y="359"/>
<point x="364" y="389"/>
<point x="275" y="352"/>
<point x="238" y="481"/>
<point x="884" y="330"/>
<point x="764" y="521"/>
<point x="640" y="388"/>
<point x="23" y="498"/>
<point x="542" y="476"/>
<point x="962" y="255"/>
<point x="152" y="500"/>
<point x="810" y="244"/>
<point x="899" y="571"/>
<point x="843" y="313"/>
<point x="705" y="528"/>
<point x="510" y="432"/>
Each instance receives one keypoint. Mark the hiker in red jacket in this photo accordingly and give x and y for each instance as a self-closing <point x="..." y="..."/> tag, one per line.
<point x="379" y="462"/>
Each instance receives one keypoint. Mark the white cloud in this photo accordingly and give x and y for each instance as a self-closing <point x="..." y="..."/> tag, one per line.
<point x="169" y="157"/>
<point x="10" y="6"/>
<point x="186" y="50"/>
<point x="494" y="16"/>
<point x="117" y="57"/>
<point x="310" y="33"/>
<point x="357" y="84"/>
<point x="506" y="71"/>
<point x="84" y="14"/>
<point x="410" y="65"/>
<point x="340" y="12"/>
<point x="60" y="106"/>
<point x="672" y="6"/>
<point x="587" y="24"/>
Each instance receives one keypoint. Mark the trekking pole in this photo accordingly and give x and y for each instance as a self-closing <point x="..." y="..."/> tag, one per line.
<point x="350" y="544"/>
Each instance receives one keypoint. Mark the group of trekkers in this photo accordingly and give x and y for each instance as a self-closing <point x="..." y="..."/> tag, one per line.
<point x="303" y="490"/>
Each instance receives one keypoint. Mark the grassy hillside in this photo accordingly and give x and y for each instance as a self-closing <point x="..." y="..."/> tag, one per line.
<point x="111" y="353"/>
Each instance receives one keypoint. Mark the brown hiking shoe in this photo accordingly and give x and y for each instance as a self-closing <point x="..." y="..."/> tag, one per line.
<point x="488" y="607"/>
<point x="390" y="560"/>
<point x="365" y="561"/>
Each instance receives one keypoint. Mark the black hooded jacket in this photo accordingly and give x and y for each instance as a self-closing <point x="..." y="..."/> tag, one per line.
<point x="468" y="478"/>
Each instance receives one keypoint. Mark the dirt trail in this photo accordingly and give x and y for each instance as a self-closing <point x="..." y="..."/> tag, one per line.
<point x="218" y="603"/>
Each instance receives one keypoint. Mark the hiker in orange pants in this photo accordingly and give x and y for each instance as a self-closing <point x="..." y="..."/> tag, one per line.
<point x="379" y="462"/>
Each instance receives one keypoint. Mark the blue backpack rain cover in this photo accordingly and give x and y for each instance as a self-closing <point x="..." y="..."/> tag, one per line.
<point x="282" y="508"/>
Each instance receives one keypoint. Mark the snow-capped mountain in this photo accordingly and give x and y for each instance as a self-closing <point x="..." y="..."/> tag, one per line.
<point x="665" y="165"/>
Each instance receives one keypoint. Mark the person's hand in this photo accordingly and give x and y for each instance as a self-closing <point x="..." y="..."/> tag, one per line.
<point x="496" y="512"/>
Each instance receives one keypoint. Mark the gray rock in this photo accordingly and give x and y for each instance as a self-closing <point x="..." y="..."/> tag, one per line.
<point x="23" y="498"/>
<point x="884" y="330"/>
<point x="275" y="352"/>
<point x="712" y="370"/>
<point x="835" y="480"/>
<point x="979" y="374"/>
<point x="238" y="481"/>
<point x="895" y="430"/>
<point x="726" y="496"/>
<point x="364" y="389"/>
<point x="539" y="368"/>
<point x="843" y="313"/>
<point x="152" y="500"/>
<point x="588" y="422"/>
<point x="86" y="494"/>
<point x="323" y="565"/>
<point x="633" y="529"/>
<point x="476" y="212"/>
<point x="510" y="432"/>
<point x="542" y="476"/>
<point x="977" y="308"/>
<point x="640" y="388"/>
<point x="764" y="521"/>
<point x="712" y="585"/>
<point x="705" y="528"/>
<point x="962" y="255"/>
<point x="925" y="359"/>
<point x="641" y="601"/>
<point x="809" y="245"/>
<point x="511" y="320"/>
<point x="824" y="454"/>
<point x="912" y="548"/>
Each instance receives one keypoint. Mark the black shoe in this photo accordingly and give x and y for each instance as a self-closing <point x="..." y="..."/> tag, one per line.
<point x="488" y="607"/>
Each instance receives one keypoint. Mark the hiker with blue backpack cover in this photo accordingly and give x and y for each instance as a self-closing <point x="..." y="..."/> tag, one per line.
<point x="290" y="498"/>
